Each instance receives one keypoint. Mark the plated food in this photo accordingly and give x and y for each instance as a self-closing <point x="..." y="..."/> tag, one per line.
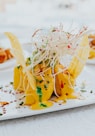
<point x="52" y="77"/>
<point x="92" y="46"/>
<point x="5" y="54"/>
<point x="42" y="77"/>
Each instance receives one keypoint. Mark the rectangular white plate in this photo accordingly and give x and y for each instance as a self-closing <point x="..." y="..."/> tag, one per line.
<point x="12" y="111"/>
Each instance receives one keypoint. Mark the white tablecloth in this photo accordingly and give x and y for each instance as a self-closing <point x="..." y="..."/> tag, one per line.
<point x="73" y="122"/>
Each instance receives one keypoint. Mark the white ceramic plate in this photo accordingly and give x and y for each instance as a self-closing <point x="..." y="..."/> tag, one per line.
<point x="7" y="64"/>
<point x="12" y="111"/>
<point x="11" y="63"/>
<point x="91" y="61"/>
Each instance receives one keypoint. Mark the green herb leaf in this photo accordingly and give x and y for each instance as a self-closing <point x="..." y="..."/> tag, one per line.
<point x="21" y="103"/>
<point x="43" y="105"/>
<point x="28" y="61"/>
<point x="35" y="52"/>
<point x="1" y="87"/>
<point x="45" y="86"/>
<point x="54" y="53"/>
<point x="39" y="91"/>
<point x="1" y="114"/>
<point x="18" y="66"/>
<point x="83" y="91"/>
<point x="11" y="83"/>
<point x="91" y="91"/>
<point x="40" y="62"/>
<point x="10" y="91"/>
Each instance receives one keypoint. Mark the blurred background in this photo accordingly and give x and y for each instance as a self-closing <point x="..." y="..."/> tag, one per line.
<point x="23" y="16"/>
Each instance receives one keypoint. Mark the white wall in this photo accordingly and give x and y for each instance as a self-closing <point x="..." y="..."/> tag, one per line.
<point x="25" y="15"/>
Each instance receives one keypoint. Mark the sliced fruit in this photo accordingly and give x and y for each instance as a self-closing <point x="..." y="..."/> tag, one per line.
<point x="80" y="58"/>
<point x="64" y="84"/>
<point x="18" y="53"/>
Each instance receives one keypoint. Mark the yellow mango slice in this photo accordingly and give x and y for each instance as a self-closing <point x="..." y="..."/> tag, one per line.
<point x="91" y="53"/>
<point x="64" y="84"/>
<point x="18" y="78"/>
<point x="46" y="85"/>
<point x="18" y="53"/>
<point x="80" y="58"/>
<point x="39" y="97"/>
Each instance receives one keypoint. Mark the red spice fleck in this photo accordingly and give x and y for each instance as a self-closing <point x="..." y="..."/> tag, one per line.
<point x="81" y="32"/>
<point x="5" y="91"/>
<point x="69" y="46"/>
<point x="15" y="100"/>
<point x="62" y="84"/>
<point x="4" y="110"/>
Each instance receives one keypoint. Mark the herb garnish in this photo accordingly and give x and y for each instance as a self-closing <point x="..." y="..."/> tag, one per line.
<point x="1" y="114"/>
<point x="43" y="105"/>
<point x="1" y="87"/>
<point x="28" y="61"/>
<point x="83" y="90"/>
<point x="11" y="83"/>
<point x="45" y="86"/>
<point x="21" y="103"/>
<point x="39" y="92"/>
<point x="40" y="62"/>
<point x="10" y="91"/>
<point x="91" y="91"/>
<point x="18" y="66"/>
